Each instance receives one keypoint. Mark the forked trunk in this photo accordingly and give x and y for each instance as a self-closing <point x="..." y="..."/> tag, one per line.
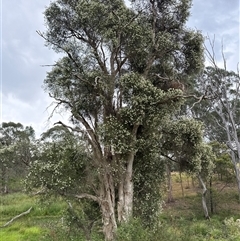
<point x="124" y="208"/>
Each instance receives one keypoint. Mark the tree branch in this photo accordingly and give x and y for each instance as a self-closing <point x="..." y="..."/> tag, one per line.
<point x="170" y="158"/>
<point x="87" y="196"/>
<point x="101" y="63"/>
<point x="16" y="217"/>
<point x="69" y="127"/>
<point x="200" y="98"/>
<point x="92" y="135"/>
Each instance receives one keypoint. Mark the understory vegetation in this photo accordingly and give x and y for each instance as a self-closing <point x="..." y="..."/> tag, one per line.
<point x="182" y="219"/>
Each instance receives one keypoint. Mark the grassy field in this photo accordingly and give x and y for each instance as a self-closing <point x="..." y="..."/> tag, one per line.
<point x="185" y="218"/>
<point x="181" y="219"/>
<point x="31" y="227"/>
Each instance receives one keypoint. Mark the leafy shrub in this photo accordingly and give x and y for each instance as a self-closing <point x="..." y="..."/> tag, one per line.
<point x="133" y="231"/>
<point x="232" y="229"/>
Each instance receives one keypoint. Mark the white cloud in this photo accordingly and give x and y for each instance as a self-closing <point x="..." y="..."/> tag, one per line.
<point x="219" y="20"/>
<point x="24" y="51"/>
<point x="36" y="114"/>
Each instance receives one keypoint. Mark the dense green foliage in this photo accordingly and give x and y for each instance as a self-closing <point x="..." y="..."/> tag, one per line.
<point x="61" y="163"/>
<point x="119" y="80"/>
<point x="123" y="78"/>
<point x="16" y="153"/>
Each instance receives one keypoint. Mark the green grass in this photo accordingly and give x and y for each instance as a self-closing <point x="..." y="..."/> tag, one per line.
<point x="30" y="227"/>
<point x="20" y="233"/>
<point x="181" y="220"/>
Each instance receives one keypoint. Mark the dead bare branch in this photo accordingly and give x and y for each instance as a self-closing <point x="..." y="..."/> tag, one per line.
<point x="85" y="195"/>
<point x="39" y="192"/>
<point x="16" y="217"/>
<point x="200" y="98"/>
<point x="223" y="57"/>
<point x="162" y="78"/>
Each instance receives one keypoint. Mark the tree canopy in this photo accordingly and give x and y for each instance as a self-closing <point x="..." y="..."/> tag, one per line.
<point x="119" y="79"/>
<point x="16" y="152"/>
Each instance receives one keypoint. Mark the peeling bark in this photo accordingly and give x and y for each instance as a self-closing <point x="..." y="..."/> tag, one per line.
<point x="108" y="219"/>
<point x="107" y="205"/>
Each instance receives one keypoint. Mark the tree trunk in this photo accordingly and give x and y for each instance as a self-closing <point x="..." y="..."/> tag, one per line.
<point x="235" y="157"/>
<point x="237" y="171"/>
<point x="232" y="136"/>
<point x="125" y="200"/>
<point x="125" y="192"/>
<point x="120" y="204"/>
<point x="4" y="180"/>
<point x="111" y="179"/>
<point x="204" y="203"/>
<point x="107" y="204"/>
<point x="180" y="174"/>
<point x="211" y="196"/>
<point x="108" y="219"/>
<point x="169" y="183"/>
<point x="193" y="184"/>
<point x="109" y="222"/>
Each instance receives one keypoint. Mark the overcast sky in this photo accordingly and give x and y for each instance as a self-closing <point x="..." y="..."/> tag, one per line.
<point x="23" y="53"/>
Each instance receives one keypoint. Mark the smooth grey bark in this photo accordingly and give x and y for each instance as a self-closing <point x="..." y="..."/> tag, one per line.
<point x="232" y="137"/>
<point x="204" y="192"/>
<point x="226" y="105"/>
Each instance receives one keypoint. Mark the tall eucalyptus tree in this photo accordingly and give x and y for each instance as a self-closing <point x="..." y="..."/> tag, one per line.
<point x="222" y="114"/>
<point x="119" y="62"/>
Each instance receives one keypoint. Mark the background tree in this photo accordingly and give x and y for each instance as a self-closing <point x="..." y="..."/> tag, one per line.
<point x="63" y="168"/>
<point x="222" y="113"/>
<point x="16" y="153"/>
<point x="111" y="82"/>
<point x="183" y="145"/>
<point x="223" y="165"/>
